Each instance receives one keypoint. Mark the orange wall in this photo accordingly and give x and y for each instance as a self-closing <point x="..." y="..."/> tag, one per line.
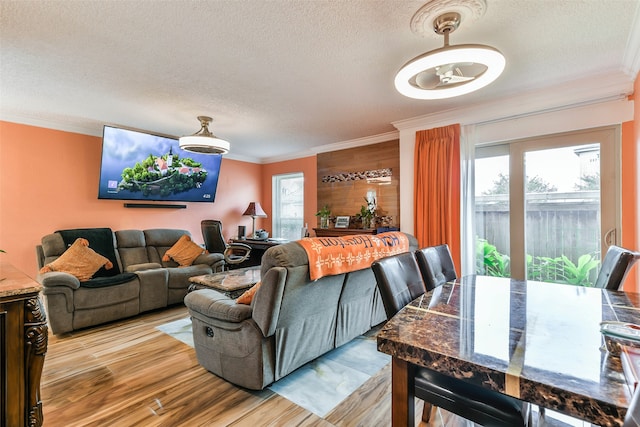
<point x="49" y="181"/>
<point x="306" y="165"/>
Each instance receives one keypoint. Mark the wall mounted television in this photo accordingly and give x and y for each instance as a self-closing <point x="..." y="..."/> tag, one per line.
<point x="137" y="165"/>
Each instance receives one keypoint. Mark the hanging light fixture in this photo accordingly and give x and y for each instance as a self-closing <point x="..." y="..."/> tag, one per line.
<point x="203" y="141"/>
<point x="451" y="70"/>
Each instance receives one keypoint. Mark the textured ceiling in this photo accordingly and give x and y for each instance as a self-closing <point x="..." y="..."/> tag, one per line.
<point x="283" y="78"/>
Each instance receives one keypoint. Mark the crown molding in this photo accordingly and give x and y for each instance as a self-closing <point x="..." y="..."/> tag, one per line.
<point x="566" y="95"/>
<point x="358" y="142"/>
<point x="631" y="58"/>
<point x="343" y="145"/>
<point x="93" y="128"/>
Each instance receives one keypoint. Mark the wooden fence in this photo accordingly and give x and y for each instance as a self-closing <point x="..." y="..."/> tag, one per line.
<point x="556" y="223"/>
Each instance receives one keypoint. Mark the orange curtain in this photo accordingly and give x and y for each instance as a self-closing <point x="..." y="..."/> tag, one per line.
<point x="437" y="189"/>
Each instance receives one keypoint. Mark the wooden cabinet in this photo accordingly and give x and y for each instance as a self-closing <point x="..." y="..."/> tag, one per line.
<point x="23" y="345"/>
<point x="258" y="248"/>
<point x="339" y="232"/>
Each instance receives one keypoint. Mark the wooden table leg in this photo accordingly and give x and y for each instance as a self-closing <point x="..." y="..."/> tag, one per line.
<point x="402" y="393"/>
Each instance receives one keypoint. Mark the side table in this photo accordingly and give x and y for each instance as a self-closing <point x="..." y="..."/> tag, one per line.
<point x="232" y="283"/>
<point x="23" y="346"/>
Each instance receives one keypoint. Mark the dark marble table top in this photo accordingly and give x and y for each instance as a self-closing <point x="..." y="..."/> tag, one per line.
<point x="540" y="342"/>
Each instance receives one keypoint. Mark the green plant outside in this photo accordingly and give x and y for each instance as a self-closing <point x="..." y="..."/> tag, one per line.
<point x="490" y="262"/>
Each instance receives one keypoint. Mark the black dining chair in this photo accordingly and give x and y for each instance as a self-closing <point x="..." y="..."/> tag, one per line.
<point x="436" y="265"/>
<point x="234" y="253"/>
<point x="632" y="419"/>
<point x="399" y="281"/>
<point x="615" y="266"/>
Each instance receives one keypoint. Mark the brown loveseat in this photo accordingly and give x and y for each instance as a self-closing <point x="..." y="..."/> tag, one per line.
<point x="291" y="320"/>
<point x="139" y="280"/>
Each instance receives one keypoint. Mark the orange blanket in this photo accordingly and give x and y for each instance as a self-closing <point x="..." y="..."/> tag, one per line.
<point x="336" y="255"/>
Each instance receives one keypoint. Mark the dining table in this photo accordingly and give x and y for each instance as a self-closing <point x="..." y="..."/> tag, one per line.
<point x="536" y="341"/>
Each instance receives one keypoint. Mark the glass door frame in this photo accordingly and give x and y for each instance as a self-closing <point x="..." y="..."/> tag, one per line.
<point x="609" y="139"/>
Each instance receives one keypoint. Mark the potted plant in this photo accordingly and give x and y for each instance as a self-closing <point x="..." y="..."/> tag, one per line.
<point x="368" y="213"/>
<point x="324" y="215"/>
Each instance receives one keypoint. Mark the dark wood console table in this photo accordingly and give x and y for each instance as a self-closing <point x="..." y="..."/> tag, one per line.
<point x="23" y="345"/>
<point x="339" y="232"/>
<point x="258" y="248"/>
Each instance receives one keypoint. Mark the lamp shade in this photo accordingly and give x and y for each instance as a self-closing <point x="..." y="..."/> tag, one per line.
<point x="255" y="210"/>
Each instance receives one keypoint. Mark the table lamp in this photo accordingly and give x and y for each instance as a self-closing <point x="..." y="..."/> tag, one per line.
<point x="254" y="211"/>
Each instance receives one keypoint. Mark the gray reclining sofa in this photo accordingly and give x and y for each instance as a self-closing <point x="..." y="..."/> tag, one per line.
<point x="139" y="280"/>
<point x="291" y="320"/>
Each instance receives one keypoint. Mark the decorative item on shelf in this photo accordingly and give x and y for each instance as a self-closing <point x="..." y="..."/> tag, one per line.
<point x="204" y="141"/>
<point x="324" y="214"/>
<point x="254" y="210"/>
<point x="368" y="213"/>
<point x="342" y="221"/>
<point x="261" y="234"/>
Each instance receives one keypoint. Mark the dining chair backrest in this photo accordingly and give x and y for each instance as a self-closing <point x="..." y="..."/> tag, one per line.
<point x="436" y="265"/>
<point x="616" y="264"/>
<point x="399" y="281"/>
<point x="632" y="419"/>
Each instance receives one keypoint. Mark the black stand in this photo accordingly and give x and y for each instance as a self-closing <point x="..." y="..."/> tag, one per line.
<point x="153" y="205"/>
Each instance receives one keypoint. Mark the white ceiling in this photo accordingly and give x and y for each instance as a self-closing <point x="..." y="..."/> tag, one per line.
<point x="286" y="78"/>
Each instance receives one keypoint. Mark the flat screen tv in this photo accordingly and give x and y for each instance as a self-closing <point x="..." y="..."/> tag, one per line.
<point x="138" y="165"/>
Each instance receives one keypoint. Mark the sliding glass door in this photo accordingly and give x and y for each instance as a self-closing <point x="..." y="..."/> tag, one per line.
<point x="547" y="208"/>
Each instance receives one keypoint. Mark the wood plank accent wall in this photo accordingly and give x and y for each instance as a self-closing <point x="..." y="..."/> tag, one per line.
<point x="346" y="197"/>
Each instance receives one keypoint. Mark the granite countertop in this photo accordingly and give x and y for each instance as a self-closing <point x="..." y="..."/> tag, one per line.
<point x="540" y="342"/>
<point x="15" y="282"/>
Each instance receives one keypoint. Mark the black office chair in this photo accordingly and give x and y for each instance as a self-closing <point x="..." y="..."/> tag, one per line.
<point x="234" y="253"/>
<point x="399" y="281"/>
<point x="616" y="264"/>
<point x="436" y="265"/>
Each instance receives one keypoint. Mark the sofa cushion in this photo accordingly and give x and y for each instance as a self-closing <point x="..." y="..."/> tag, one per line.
<point x="79" y="260"/>
<point x="100" y="240"/>
<point x="184" y="251"/>
<point x="101" y="282"/>
<point x="248" y="295"/>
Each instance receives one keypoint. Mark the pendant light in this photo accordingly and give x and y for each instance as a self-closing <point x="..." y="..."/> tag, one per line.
<point x="451" y="70"/>
<point x="203" y="141"/>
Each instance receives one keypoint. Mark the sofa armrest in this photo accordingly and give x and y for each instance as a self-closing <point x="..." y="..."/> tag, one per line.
<point x="142" y="267"/>
<point x="216" y="305"/>
<point x="267" y="300"/>
<point x="57" y="278"/>
<point x="58" y="288"/>
<point x="210" y="259"/>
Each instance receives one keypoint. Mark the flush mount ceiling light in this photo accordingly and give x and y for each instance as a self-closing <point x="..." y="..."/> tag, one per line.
<point x="451" y="70"/>
<point x="203" y="141"/>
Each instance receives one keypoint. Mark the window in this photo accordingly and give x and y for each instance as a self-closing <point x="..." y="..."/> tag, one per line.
<point x="288" y="205"/>
<point x="541" y="213"/>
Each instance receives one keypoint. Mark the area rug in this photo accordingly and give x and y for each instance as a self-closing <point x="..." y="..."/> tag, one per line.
<point x="320" y="385"/>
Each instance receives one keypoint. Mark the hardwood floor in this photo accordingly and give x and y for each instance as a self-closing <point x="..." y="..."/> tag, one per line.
<point x="130" y="374"/>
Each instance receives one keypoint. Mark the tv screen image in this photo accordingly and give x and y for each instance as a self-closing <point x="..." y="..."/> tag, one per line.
<point x="142" y="166"/>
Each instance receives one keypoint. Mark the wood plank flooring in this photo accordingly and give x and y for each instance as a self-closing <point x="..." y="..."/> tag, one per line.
<point x="128" y="373"/>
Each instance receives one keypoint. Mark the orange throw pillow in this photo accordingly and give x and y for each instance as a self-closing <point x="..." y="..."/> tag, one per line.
<point x="184" y="251"/>
<point x="247" y="296"/>
<point x="79" y="260"/>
